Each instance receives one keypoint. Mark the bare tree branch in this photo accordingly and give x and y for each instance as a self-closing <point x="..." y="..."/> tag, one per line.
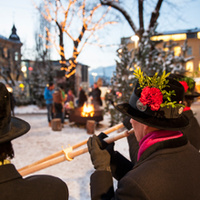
<point x="116" y="5"/>
<point x="141" y="20"/>
<point x="155" y="14"/>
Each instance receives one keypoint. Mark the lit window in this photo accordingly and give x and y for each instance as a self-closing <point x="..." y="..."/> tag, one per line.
<point x="199" y="66"/>
<point x="189" y="51"/>
<point x="189" y="66"/>
<point x="16" y="56"/>
<point x="177" y="51"/>
<point x="174" y="37"/>
<point x="198" y="35"/>
<point x="5" y="52"/>
<point x="166" y="49"/>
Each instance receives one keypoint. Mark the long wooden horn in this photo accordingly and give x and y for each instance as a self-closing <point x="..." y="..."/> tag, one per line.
<point x="59" y="153"/>
<point x="69" y="155"/>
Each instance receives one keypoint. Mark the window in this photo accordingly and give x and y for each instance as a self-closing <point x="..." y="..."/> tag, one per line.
<point x="189" y="66"/>
<point x="177" y="51"/>
<point x="189" y="51"/>
<point x="191" y="35"/>
<point x="199" y="66"/>
<point x="5" y="52"/>
<point x="84" y="72"/>
<point x="16" y="56"/>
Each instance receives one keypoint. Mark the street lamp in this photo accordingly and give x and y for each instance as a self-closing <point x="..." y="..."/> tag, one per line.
<point x="94" y="74"/>
<point x="135" y="39"/>
<point x="24" y="69"/>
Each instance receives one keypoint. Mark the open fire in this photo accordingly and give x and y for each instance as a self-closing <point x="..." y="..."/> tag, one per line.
<point x="87" y="110"/>
<point x="80" y="115"/>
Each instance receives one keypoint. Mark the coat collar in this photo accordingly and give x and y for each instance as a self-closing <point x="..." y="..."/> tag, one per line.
<point x="8" y="172"/>
<point x="173" y="143"/>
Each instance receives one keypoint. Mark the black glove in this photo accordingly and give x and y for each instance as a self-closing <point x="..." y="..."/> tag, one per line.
<point x="104" y="144"/>
<point x="100" y="156"/>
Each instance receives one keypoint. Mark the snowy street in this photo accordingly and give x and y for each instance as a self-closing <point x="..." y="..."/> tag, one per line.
<point x="41" y="141"/>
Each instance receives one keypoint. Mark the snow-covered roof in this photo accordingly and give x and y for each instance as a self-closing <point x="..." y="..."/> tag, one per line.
<point x="3" y="38"/>
<point x="195" y="30"/>
<point x="127" y="40"/>
<point x="10" y="40"/>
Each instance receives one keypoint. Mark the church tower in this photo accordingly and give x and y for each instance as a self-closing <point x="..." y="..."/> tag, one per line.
<point x="14" y="35"/>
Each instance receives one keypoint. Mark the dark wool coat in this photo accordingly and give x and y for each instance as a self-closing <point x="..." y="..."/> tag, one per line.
<point x="82" y="98"/>
<point x="166" y="170"/>
<point x="192" y="132"/>
<point x="96" y="95"/>
<point x="39" y="187"/>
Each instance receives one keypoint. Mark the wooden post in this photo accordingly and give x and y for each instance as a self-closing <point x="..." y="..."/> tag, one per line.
<point x="90" y="126"/>
<point x="56" y="124"/>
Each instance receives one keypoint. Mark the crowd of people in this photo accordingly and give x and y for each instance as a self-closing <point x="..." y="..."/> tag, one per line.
<point x="164" y="149"/>
<point x="59" y="104"/>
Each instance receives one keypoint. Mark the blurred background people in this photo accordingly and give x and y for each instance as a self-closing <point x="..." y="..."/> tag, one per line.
<point x="58" y="104"/>
<point x="82" y="97"/>
<point x="192" y="132"/>
<point x="96" y="96"/>
<point x="48" y="96"/>
<point x="69" y="103"/>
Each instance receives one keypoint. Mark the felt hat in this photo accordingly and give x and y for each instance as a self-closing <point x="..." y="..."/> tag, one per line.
<point x="156" y="102"/>
<point x="10" y="127"/>
<point x="188" y="84"/>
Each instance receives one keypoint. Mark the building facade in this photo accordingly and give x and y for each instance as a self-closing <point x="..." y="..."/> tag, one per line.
<point x="10" y="58"/>
<point x="193" y="42"/>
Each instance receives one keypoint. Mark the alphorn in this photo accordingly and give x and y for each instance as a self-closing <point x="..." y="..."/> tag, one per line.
<point x="69" y="155"/>
<point x="59" y="153"/>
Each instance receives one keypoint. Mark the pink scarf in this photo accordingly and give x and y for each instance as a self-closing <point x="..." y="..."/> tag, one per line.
<point x="155" y="137"/>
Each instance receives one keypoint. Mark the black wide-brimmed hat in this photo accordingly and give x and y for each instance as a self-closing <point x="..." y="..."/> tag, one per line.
<point x="155" y="107"/>
<point x="188" y="84"/>
<point x="10" y="127"/>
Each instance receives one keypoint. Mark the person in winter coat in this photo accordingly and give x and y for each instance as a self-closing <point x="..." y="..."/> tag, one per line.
<point x="82" y="97"/>
<point x="58" y="101"/>
<point x="96" y="96"/>
<point x="167" y="164"/>
<point x="192" y="132"/>
<point x="48" y="96"/>
<point x="12" y="185"/>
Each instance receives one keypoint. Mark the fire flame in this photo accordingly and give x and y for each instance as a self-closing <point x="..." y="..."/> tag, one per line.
<point x="88" y="110"/>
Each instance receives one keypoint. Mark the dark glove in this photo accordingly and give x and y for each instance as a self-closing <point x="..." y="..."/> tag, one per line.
<point x="100" y="156"/>
<point x="104" y="144"/>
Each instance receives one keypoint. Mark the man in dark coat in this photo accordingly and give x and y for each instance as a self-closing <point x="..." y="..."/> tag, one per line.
<point x="82" y="97"/>
<point x="12" y="185"/>
<point x="192" y="132"/>
<point x="167" y="164"/>
<point x="96" y="96"/>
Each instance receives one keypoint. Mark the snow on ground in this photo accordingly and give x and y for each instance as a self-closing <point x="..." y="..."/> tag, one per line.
<point x="41" y="141"/>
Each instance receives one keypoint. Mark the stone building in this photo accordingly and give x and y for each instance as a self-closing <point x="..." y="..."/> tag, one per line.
<point x="10" y="58"/>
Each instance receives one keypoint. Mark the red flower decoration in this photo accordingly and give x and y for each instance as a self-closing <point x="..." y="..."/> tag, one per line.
<point x="185" y="85"/>
<point x="151" y="97"/>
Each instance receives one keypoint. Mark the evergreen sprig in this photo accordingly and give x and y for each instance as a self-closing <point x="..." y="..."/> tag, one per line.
<point x="159" y="82"/>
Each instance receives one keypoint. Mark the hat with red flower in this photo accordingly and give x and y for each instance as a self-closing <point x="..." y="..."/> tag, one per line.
<point x="156" y="102"/>
<point x="188" y="84"/>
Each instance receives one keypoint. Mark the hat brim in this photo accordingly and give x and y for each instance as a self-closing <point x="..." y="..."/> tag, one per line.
<point x="18" y="127"/>
<point x="160" y="123"/>
<point x="193" y="95"/>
